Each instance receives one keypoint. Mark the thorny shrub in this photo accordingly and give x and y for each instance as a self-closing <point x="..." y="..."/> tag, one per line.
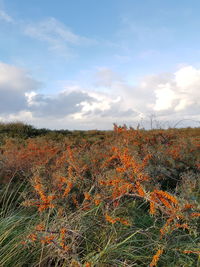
<point x="92" y="181"/>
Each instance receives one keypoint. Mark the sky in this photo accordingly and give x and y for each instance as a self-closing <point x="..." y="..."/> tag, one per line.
<point x="86" y="64"/>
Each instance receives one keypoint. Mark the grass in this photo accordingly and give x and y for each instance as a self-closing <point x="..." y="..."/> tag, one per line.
<point x="15" y="223"/>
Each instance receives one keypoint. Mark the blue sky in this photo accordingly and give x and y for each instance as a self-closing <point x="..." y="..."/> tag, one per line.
<point x="85" y="64"/>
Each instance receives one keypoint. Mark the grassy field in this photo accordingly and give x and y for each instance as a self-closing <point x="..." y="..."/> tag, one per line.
<point x="127" y="197"/>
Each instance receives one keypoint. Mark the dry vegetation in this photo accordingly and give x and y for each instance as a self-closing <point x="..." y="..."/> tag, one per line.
<point x="127" y="197"/>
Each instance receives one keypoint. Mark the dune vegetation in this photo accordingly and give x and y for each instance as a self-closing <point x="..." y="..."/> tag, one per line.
<point x="127" y="197"/>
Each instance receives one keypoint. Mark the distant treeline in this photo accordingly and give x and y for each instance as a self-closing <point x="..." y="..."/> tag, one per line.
<point x="19" y="129"/>
<point x="24" y="131"/>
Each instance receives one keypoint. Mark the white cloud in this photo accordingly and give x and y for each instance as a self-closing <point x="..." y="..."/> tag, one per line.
<point x="99" y="105"/>
<point x="164" y="97"/>
<point x="187" y="77"/>
<point x="181" y="93"/>
<point x="106" y="77"/>
<point x="14" y="83"/>
<point x="58" y="37"/>
<point x="23" y="115"/>
<point x="5" y="17"/>
<point x="76" y="107"/>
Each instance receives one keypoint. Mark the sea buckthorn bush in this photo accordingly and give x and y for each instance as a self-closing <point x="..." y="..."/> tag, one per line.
<point x="129" y="197"/>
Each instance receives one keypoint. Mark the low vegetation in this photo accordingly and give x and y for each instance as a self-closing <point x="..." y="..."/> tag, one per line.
<point x="127" y="197"/>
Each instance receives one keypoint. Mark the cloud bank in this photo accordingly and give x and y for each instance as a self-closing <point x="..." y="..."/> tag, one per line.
<point x="169" y="96"/>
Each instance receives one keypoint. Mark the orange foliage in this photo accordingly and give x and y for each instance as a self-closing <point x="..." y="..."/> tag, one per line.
<point x="69" y="177"/>
<point x="156" y="258"/>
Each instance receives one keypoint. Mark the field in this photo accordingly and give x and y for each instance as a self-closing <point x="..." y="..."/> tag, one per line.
<point x="127" y="197"/>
